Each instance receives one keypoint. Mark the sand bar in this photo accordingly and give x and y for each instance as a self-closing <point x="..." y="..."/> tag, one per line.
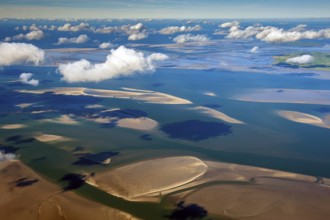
<point x="50" y="138"/>
<point x="141" y="123"/>
<point x="63" y="119"/>
<point x="304" y="118"/>
<point x="141" y="95"/>
<point x="45" y="201"/>
<point x="13" y="126"/>
<point x="146" y="177"/>
<point x="217" y="114"/>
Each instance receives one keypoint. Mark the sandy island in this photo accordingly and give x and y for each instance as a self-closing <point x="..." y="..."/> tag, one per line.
<point x="304" y="118"/>
<point x="51" y="138"/>
<point x="142" y="178"/>
<point x="216" y="114"/>
<point x="13" y="126"/>
<point x="223" y="189"/>
<point x="127" y="93"/>
<point x="63" y="119"/>
<point x="141" y="123"/>
<point x="43" y="200"/>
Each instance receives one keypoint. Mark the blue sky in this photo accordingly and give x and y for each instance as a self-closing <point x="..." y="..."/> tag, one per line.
<point x="165" y="8"/>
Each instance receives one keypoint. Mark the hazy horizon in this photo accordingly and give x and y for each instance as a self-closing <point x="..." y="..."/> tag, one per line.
<point x="146" y="9"/>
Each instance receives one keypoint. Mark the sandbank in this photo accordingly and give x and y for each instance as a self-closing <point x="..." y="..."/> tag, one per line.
<point x="151" y="176"/>
<point x="63" y="119"/>
<point x="141" y="123"/>
<point x="13" y="126"/>
<point x="304" y="118"/>
<point x="141" y="95"/>
<point x="44" y="200"/>
<point x="50" y="138"/>
<point x="217" y="114"/>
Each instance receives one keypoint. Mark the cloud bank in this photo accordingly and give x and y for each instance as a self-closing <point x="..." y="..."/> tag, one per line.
<point x="74" y="40"/>
<point x="184" y="38"/>
<point x="33" y="35"/>
<point x="303" y="59"/>
<point x="26" y="78"/>
<point x="120" y="62"/>
<point x="74" y="28"/>
<point x="273" y="34"/>
<point x="18" y="53"/>
<point x="177" y="29"/>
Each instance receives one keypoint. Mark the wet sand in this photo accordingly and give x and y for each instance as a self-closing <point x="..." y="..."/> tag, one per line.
<point x="63" y="119"/>
<point x="44" y="200"/>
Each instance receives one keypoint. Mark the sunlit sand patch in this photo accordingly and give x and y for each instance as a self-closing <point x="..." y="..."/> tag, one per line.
<point x="141" y="95"/>
<point x="286" y="96"/>
<point x="142" y="178"/>
<point x="141" y="123"/>
<point x="13" y="126"/>
<point x="63" y="119"/>
<point x="51" y="138"/>
<point x="304" y="118"/>
<point x="216" y="114"/>
<point x="44" y="200"/>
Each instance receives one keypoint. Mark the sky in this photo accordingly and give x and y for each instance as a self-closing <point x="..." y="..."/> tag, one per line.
<point x="164" y="8"/>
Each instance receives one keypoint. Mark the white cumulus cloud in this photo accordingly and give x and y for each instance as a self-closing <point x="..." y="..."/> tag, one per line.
<point x="303" y="59"/>
<point x="120" y="62"/>
<point x="74" y="40"/>
<point x="17" y="53"/>
<point x="26" y="78"/>
<point x="274" y="34"/>
<point x="33" y="35"/>
<point x="5" y="157"/>
<point x="229" y="24"/>
<point x="105" y="45"/>
<point x="178" y="29"/>
<point x="74" y="28"/>
<point x="184" y="38"/>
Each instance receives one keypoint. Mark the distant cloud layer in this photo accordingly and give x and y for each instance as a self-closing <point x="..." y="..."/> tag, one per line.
<point x="184" y="38"/>
<point x="75" y="28"/>
<point x="177" y="29"/>
<point x="26" y="78"/>
<point x="74" y="40"/>
<point x="273" y="34"/>
<point x="18" y="53"/>
<point x="33" y="35"/>
<point x="303" y="59"/>
<point x="120" y="62"/>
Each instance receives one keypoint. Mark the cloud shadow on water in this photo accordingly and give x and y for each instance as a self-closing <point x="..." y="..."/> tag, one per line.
<point x="196" y="130"/>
